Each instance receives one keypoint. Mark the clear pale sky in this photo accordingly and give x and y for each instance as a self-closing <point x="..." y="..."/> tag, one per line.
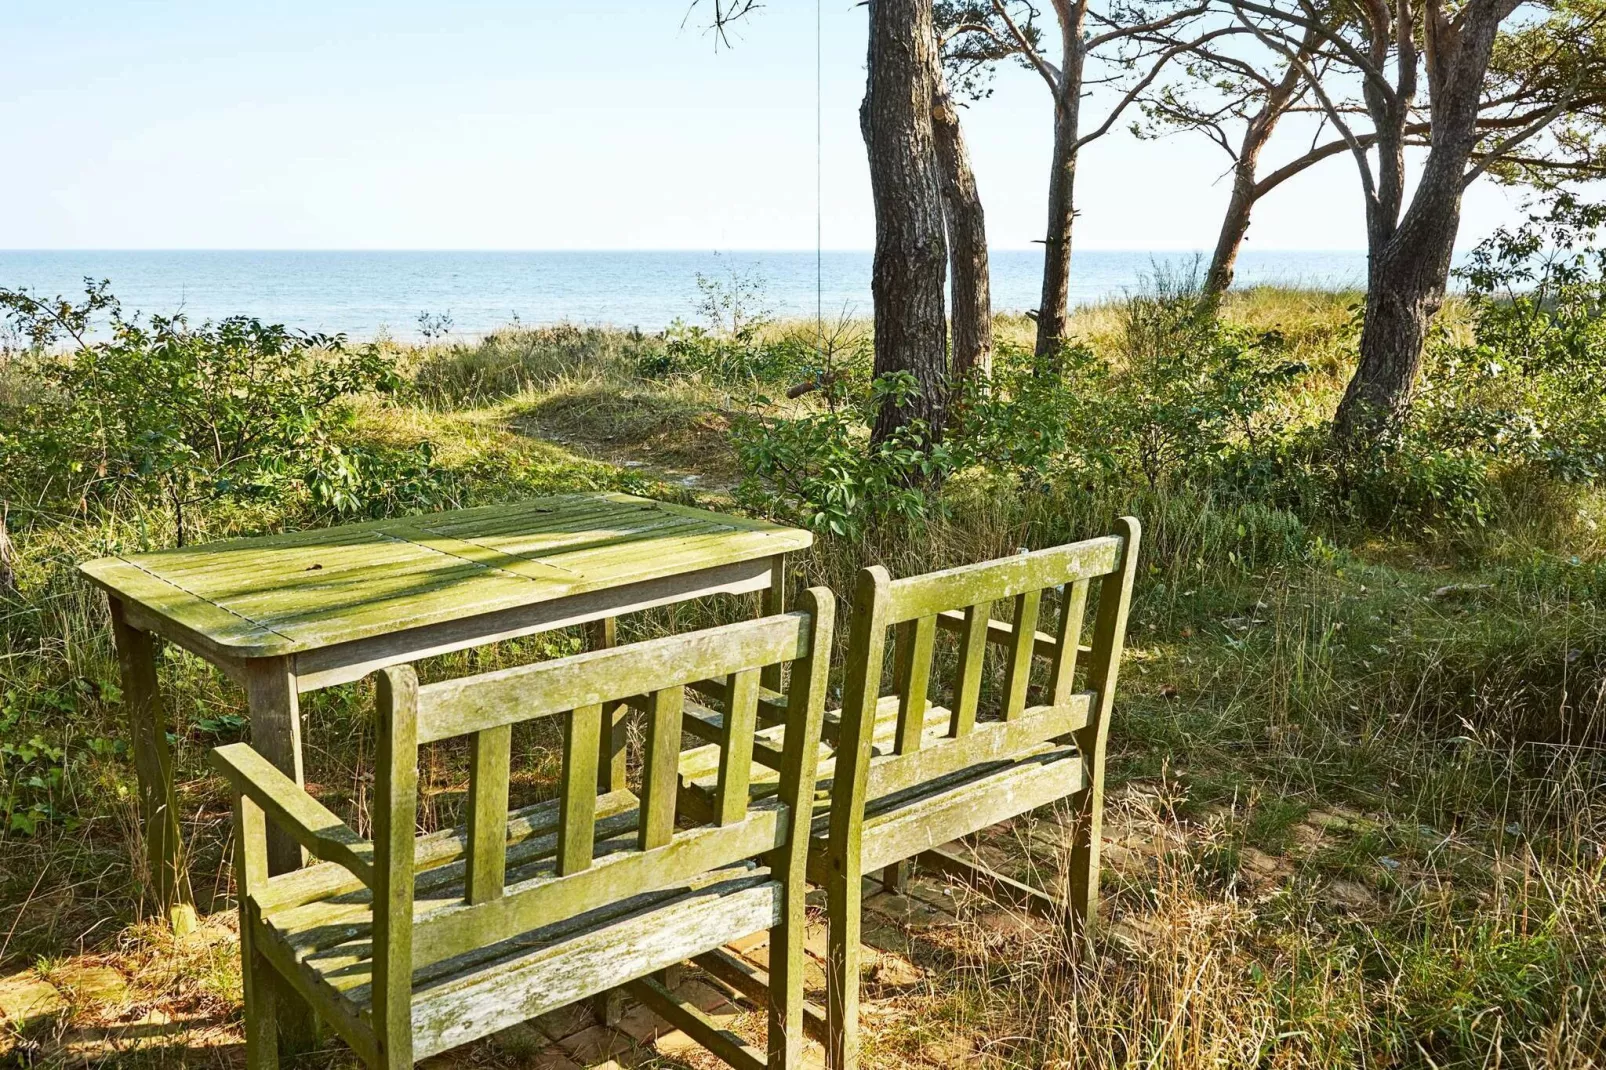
<point x="602" y="124"/>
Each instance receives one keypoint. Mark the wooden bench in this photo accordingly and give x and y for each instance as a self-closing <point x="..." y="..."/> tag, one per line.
<point x="411" y="945"/>
<point x="906" y="775"/>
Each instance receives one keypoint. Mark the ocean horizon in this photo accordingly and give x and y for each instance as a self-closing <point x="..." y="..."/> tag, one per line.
<point x="371" y="294"/>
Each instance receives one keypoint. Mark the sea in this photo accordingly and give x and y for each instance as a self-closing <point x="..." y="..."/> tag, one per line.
<point x="407" y="295"/>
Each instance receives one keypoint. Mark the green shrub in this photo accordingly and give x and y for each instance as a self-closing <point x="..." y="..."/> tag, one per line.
<point x="821" y="468"/>
<point x="169" y="416"/>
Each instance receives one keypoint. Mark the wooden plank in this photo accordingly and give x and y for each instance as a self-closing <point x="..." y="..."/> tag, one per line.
<point x="577" y="826"/>
<point x="309" y="822"/>
<point x="505" y="993"/>
<point x="989" y="742"/>
<point x="539" y="901"/>
<point x="611" y="770"/>
<point x="772" y="604"/>
<point x="736" y="747"/>
<point x="126" y="580"/>
<point x="861" y="690"/>
<point x="1067" y="644"/>
<point x="754" y="983"/>
<point x="344" y="662"/>
<point x="915" y="643"/>
<point x="989" y="581"/>
<point x="999" y="632"/>
<point x="308" y="590"/>
<point x="771" y="703"/>
<point x="686" y="1016"/>
<point x="488" y="765"/>
<point x="312" y="928"/>
<point x="972" y="665"/>
<point x="1018" y="671"/>
<point x="457" y="707"/>
<point x="904" y="831"/>
<point x="275" y="709"/>
<point x="437" y="856"/>
<point x="658" y="775"/>
<point x="395" y="818"/>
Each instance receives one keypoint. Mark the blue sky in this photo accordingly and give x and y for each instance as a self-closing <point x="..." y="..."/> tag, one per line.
<point x="603" y="124"/>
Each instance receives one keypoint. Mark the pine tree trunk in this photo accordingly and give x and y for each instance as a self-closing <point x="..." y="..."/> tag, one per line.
<point x="1053" y="309"/>
<point x="1245" y="190"/>
<point x="972" y="311"/>
<point x="1406" y="280"/>
<point x="907" y="282"/>
<point x="1408" y="262"/>
<point x="1234" y="227"/>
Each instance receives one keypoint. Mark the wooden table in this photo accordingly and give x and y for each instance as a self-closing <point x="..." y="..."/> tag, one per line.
<point x="287" y="614"/>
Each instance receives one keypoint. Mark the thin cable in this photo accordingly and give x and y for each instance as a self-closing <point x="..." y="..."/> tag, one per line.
<point x="819" y="173"/>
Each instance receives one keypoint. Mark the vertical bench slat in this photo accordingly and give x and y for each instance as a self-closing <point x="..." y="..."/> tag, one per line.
<point x="1018" y="676"/>
<point x="663" y="759"/>
<point x="577" y="794"/>
<point x="913" y="668"/>
<point x="489" y="757"/>
<point x="602" y="635"/>
<point x="972" y="662"/>
<point x="773" y="601"/>
<point x="1062" y="674"/>
<point x="736" y="746"/>
<point x="395" y="823"/>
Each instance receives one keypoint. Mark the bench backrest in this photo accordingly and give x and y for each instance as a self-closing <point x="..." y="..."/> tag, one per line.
<point x="595" y="863"/>
<point x="960" y="600"/>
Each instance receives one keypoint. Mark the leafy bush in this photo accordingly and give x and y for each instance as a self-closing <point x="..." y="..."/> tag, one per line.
<point x="1190" y="400"/>
<point x="168" y="415"/>
<point x="1521" y="401"/>
<point x="822" y="469"/>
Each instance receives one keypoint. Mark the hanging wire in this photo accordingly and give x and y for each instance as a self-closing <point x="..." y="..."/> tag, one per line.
<point x="819" y="173"/>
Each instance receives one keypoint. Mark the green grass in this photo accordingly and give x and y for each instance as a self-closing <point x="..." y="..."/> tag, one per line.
<point x="1410" y="729"/>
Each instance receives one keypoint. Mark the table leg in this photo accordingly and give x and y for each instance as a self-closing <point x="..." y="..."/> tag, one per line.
<point x="153" y="765"/>
<point x="774" y="601"/>
<point x="275" y="708"/>
<point x="601" y="634"/>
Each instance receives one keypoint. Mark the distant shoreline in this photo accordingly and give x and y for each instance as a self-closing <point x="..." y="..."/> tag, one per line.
<point x="369" y="294"/>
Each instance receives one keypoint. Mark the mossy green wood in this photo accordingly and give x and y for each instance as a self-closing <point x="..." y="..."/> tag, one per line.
<point x="979" y="773"/>
<point x="286" y="594"/>
<point x="431" y="941"/>
<point x="907" y="776"/>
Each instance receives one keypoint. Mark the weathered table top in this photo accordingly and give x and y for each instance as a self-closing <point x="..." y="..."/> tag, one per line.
<point x="286" y="594"/>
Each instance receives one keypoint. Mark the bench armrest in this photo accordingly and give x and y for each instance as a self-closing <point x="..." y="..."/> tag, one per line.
<point x="312" y="824"/>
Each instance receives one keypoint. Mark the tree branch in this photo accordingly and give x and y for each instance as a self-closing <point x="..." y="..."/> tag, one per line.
<point x="1050" y="73"/>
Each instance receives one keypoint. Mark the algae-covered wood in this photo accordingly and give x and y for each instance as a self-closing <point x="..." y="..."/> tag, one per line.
<point x="283" y="594"/>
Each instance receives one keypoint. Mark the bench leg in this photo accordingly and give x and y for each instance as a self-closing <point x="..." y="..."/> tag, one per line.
<point x="275" y="708"/>
<point x="153" y="765"/>
<point x="785" y="1002"/>
<point x="844" y="898"/>
<point x="1083" y="877"/>
<point x="262" y="987"/>
<point x="895" y="878"/>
